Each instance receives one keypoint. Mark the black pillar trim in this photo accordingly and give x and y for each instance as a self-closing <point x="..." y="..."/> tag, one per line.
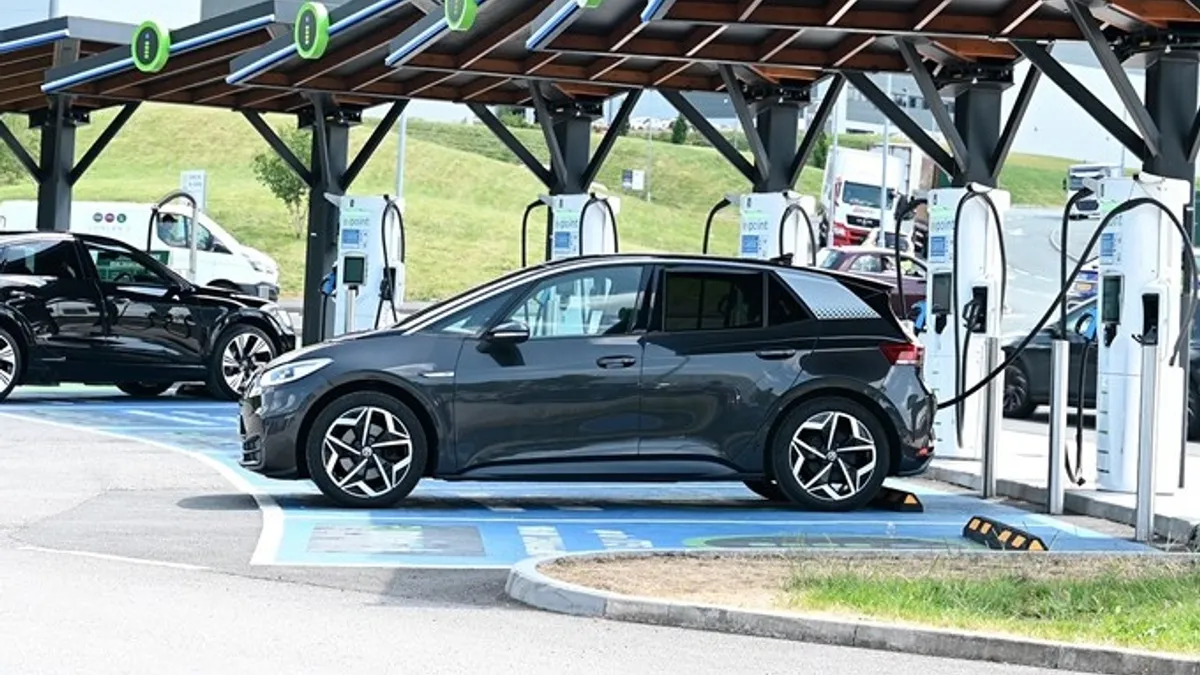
<point x="325" y="177"/>
<point x="1194" y="140"/>
<point x="558" y="161"/>
<point x="710" y="134"/>
<point x="373" y="142"/>
<point x="101" y="143"/>
<point x="610" y="136"/>
<point x="285" y="153"/>
<point x="1051" y="68"/>
<point x="933" y="98"/>
<point x="19" y="151"/>
<point x="816" y="127"/>
<point x="513" y="144"/>
<point x="1009" y="134"/>
<point x="908" y="127"/>
<point x="741" y="108"/>
<point x="1116" y="75"/>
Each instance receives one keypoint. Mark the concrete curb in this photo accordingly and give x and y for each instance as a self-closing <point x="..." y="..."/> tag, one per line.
<point x="1171" y="528"/>
<point x="528" y="585"/>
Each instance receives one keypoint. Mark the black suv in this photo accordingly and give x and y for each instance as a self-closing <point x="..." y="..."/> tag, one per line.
<point x="799" y="382"/>
<point x="92" y="310"/>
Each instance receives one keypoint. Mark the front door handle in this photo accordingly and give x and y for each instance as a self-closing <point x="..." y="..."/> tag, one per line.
<point x="775" y="354"/>
<point x="615" y="361"/>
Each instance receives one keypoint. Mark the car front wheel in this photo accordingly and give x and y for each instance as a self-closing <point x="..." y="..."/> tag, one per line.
<point x="831" y="454"/>
<point x="241" y="352"/>
<point x="10" y="363"/>
<point x="366" y="450"/>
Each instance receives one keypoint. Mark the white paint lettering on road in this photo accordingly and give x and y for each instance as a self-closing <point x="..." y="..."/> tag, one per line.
<point x="616" y="539"/>
<point x="541" y="539"/>
<point x="173" y="418"/>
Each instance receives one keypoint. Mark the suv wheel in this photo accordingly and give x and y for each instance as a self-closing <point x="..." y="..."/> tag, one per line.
<point x="10" y="363"/>
<point x="831" y="454"/>
<point x="366" y="450"/>
<point x="241" y="352"/>
<point x="143" y="389"/>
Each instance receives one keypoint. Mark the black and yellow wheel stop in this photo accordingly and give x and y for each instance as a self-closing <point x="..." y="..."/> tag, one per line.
<point x="999" y="536"/>
<point x="891" y="499"/>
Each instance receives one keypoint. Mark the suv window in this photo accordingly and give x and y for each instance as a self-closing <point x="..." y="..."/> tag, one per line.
<point x="782" y="306"/>
<point x="41" y="259"/>
<point x="695" y="300"/>
<point x="599" y="301"/>
<point x="121" y="266"/>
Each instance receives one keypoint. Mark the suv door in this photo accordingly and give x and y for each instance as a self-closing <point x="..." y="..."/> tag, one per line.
<point x="568" y="392"/>
<point x="724" y="344"/>
<point x="43" y="283"/>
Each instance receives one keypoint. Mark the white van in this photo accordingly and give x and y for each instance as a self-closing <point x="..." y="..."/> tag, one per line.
<point x="220" y="259"/>
<point x="850" y="197"/>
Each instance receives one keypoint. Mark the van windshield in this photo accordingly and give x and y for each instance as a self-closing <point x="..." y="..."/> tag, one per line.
<point x="861" y="194"/>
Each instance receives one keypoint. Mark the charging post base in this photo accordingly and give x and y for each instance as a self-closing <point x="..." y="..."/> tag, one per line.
<point x="1148" y="431"/>
<point x="994" y="407"/>
<point x="1059" y="372"/>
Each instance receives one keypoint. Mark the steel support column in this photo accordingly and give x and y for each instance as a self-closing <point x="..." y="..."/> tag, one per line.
<point x="977" y="119"/>
<point x="56" y="160"/>
<point x="571" y="130"/>
<point x="1171" y="101"/>
<point x="330" y="158"/>
<point x="777" y="126"/>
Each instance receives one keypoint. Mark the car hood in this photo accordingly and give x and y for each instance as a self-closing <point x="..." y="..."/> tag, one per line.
<point x="229" y="297"/>
<point x="329" y="348"/>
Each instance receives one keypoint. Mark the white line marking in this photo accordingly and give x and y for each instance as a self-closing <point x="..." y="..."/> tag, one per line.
<point x="116" y="558"/>
<point x="734" y="519"/>
<point x="162" y="416"/>
<point x="270" y="538"/>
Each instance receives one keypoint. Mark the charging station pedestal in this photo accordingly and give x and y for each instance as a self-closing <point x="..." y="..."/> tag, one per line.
<point x="761" y="217"/>
<point x="978" y="275"/>
<point x="1140" y="252"/>
<point x="598" y="232"/>
<point x="363" y="234"/>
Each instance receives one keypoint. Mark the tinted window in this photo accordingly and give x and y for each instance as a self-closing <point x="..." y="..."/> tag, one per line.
<point x="828" y="258"/>
<point x="592" y="302"/>
<point x="827" y="298"/>
<point x="121" y="266"/>
<point x="41" y="259"/>
<point x="712" y="301"/>
<point x="782" y="306"/>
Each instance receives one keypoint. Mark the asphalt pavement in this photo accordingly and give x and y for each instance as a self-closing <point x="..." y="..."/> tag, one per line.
<point x="135" y="558"/>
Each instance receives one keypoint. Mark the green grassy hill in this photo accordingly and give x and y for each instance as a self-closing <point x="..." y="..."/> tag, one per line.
<point x="465" y="192"/>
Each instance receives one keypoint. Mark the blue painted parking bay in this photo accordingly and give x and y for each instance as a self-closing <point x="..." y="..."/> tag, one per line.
<point x="493" y="525"/>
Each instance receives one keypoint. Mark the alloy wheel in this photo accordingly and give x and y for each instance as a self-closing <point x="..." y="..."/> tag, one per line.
<point x="1016" y="389"/>
<point x="8" y="363"/>
<point x="245" y="355"/>
<point x="366" y="452"/>
<point x="833" y="456"/>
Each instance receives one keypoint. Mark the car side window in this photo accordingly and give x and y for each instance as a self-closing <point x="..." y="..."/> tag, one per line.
<point x="473" y="319"/>
<point x="702" y="300"/>
<point x="867" y="263"/>
<point x="118" y="266"/>
<point x="175" y="231"/>
<point x="56" y="259"/>
<point x="592" y="302"/>
<point x="911" y="268"/>
<point x="782" y="306"/>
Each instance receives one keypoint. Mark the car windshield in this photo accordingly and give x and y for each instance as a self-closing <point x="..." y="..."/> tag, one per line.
<point x="829" y="258"/>
<point x="473" y="291"/>
<point x="860" y="194"/>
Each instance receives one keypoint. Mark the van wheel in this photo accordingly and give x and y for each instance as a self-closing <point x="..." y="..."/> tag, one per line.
<point x="241" y="352"/>
<point x="144" y="389"/>
<point x="10" y="363"/>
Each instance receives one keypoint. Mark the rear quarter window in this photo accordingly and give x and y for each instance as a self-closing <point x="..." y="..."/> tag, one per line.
<point x="828" y="298"/>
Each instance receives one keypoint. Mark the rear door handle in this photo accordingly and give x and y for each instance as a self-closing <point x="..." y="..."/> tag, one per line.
<point x="615" y="361"/>
<point x="775" y="354"/>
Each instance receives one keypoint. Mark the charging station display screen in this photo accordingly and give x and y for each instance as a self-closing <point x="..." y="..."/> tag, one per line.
<point x="355" y="272"/>
<point x="941" y="290"/>
<point x="1110" y="292"/>
<point x="351" y="238"/>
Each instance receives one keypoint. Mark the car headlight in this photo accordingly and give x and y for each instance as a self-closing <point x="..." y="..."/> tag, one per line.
<point x="258" y="267"/>
<point x="290" y="372"/>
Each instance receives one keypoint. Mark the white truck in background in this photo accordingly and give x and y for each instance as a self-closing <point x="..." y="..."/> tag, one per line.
<point x="221" y="260"/>
<point x="850" y="209"/>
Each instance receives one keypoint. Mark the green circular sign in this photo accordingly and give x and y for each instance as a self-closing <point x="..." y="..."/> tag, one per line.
<point x="151" y="47"/>
<point x="460" y="14"/>
<point x="312" y="30"/>
<point x="589" y="4"/>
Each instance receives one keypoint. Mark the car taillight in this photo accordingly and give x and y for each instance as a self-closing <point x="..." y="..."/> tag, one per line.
<point x="841" y="236"/>
<point x="903" y="354"/>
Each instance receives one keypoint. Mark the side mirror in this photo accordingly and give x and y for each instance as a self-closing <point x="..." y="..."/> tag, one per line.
<point x="512" y="332"/>
<point x="1086" y="326"/>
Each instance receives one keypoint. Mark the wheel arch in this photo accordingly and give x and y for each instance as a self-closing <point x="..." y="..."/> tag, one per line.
<point x="245" y="318"/>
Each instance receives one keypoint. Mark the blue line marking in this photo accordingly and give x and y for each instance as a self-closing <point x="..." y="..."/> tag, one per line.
<point x="33" y="41"/>
<point x="651" y="9"/>
<point x="435" y="30"/>
<point x="535" y="41"/>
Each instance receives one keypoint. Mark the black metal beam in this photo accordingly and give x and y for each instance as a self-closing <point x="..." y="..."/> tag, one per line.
<point x="56" y="159"/>
<point x="330" y="154"/>
<point x="1020" y="107"/>
<point x="610" y="136"/>
<point x="285" y="153"/>
<point x="933" y="98"/>
<point x="1094" y="107"/>
<point x="1194" y="139"/>
<point x="741" y="108"/>
<point x="373" y="143"/>
<point x="1116" y="75"/>
<point x="1171" y="100"/>
<point x="101" y="143"/>
<point x="325" y="174"/>
<point x="513" y="144"/>
<point x="710" y="133"/>
<point x="816" y="127"/>
<point x="907" y="126"/>
<point x="19" y="151"/>
<point x="558" y="163"/>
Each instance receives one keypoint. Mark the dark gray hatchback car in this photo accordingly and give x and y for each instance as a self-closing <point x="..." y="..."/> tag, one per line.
<point x="799" y="382"/>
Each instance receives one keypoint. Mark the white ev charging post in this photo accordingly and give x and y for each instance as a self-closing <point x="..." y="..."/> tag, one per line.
<point x="1141" y="284"/>
<point x="369" y="259"/>
<point x="582" y="224"/>
<point x="956" y="360"/>
<point x="761" y="216"/>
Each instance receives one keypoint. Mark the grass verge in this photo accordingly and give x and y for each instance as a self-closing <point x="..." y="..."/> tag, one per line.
<point x="1135" y="602"/>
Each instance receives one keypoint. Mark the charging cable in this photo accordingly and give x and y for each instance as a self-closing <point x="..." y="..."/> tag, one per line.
<point x="812" y="233"/>
<point x="612" y="220"/>
<point x="1074" y="473"/>
<point x="709" y="221"/>
<point x="387" y="284"/>
<point x="525" y="230"/>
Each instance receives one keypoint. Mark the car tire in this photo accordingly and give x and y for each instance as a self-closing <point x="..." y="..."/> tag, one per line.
<point x="241" y="352"/>
<point x="767" y="489"/>
<point x="827" y="442"/>
<point x="1018" y="401"/>
<point x="354" y="469"/>
<point x="11" y="363"/>
<point x="144" y="389"/>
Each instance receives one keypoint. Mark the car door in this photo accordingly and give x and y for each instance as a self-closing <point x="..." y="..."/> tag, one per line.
<point x="44" y="283"/>
<point x="569" y="391"/>
<point x="148" y="325"/>
<point x="724" y="343"/>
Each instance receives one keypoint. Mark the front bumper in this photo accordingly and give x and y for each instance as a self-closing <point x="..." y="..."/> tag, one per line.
<point x="264" y="290"/>
<point x="269" y="424"/>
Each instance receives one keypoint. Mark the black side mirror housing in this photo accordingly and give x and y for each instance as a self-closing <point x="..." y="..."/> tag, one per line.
<point x="509" y="332"/>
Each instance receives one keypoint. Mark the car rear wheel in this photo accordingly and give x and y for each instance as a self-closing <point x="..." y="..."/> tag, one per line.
<point x="10" y="363"/>
<point x="831" y="454"/>
<point x="143" y="389"/>
<point x="242" y="352"/>
<point x="366" y="450"/>
<point x="1018" y="401"/>
<point x="767" y="489"/>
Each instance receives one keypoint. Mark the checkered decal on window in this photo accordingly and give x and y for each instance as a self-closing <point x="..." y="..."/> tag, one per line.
<point x="828" y="299"/>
